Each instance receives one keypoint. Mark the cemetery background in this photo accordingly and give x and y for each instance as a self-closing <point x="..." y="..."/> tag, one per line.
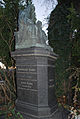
<point x="72" y="57"/>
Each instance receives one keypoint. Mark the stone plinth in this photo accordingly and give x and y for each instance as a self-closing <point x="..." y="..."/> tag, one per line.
<point x="35" y="75"/>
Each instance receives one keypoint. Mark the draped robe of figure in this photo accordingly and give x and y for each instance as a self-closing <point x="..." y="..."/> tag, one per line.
<point x="30" y="34"/>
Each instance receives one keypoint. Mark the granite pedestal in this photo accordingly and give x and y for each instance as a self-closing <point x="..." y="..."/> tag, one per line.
<point x="35" y="75"/>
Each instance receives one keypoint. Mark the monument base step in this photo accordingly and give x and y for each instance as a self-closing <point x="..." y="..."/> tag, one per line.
<point x="60" y="113"/>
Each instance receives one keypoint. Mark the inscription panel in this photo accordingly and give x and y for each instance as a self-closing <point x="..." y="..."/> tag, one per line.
<point x="27" y="68"/>
<point x="51" y="74"/>
<point x="27" y="77"/>
<point x="27" y="83"/>
<point x="51" y="85"/>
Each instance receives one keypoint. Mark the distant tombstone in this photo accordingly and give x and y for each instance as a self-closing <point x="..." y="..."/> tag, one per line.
<point x="35" y="71"/>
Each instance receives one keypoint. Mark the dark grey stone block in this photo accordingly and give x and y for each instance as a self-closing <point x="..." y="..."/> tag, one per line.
<point x="35" y="75"/>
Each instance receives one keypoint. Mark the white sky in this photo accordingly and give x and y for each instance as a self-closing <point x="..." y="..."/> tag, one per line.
<point x="43" y="9"/>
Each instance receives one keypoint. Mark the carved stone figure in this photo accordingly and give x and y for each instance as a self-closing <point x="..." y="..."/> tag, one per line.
<point x="30" y="33"/>
<point x="27" y="14"/>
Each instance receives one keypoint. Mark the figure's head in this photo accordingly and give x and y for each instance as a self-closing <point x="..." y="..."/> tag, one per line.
<point x="27" y="13"/>
<point x="39" y="24"/>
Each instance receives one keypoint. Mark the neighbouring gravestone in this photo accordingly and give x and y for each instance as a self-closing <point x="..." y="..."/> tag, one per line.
<point x="35" y="70"/>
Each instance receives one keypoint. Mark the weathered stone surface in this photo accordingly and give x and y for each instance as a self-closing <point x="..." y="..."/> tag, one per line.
<point x="30" y="34"/>
<point x="35" y="75"/>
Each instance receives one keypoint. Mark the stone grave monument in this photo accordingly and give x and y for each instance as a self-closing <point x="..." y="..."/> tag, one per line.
<point x="35" y="70"/>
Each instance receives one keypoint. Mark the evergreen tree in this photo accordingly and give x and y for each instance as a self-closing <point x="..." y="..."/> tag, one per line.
<point x="58" y="33"/>
<point x="8" y="24"/>
<point x="60" y="38"/>
<point x="74" y="19"/>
